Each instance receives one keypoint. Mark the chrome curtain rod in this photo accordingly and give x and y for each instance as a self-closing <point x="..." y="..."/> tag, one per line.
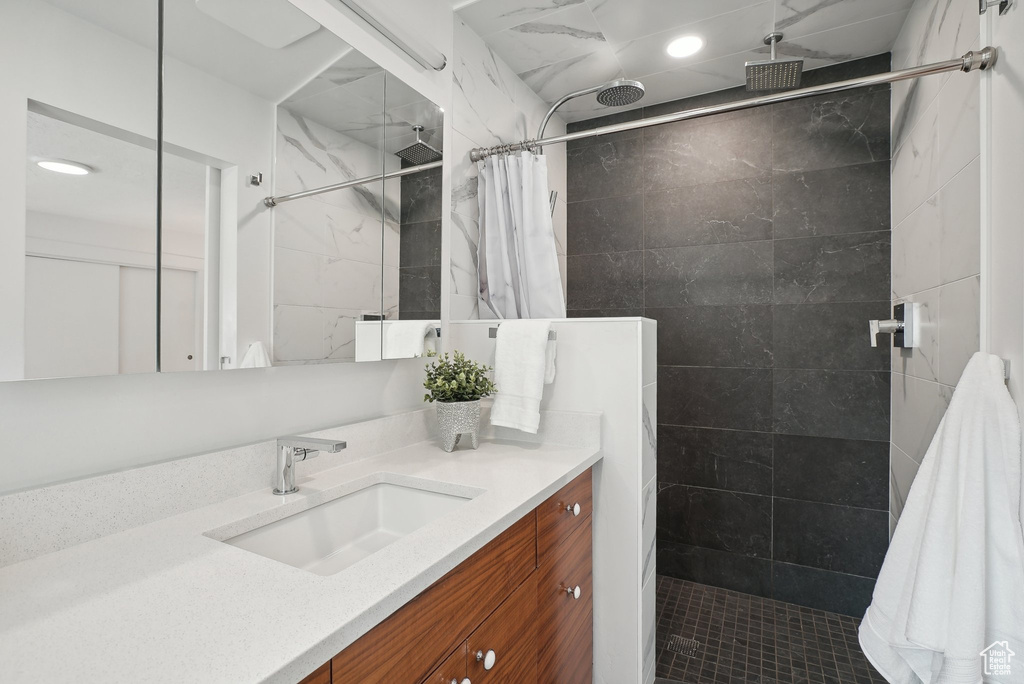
<point x="972" y="61"/>
<point x="274" y="201"/>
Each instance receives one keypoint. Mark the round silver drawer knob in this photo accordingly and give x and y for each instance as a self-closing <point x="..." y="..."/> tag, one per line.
<point x="574" y="509"/>
<point x="573" y="592"/>
<point x="464" y="681"/>
<point x="488" y="658"/>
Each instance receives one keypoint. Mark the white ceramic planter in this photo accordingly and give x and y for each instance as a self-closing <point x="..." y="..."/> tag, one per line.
<point x="457" y="418"/>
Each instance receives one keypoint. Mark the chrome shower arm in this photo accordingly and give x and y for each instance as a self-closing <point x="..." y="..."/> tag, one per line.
<point x="562" y="101"/>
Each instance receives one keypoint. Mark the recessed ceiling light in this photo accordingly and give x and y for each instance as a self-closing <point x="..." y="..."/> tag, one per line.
<point x="65" y="166"/>
<point x="685" y="46"/>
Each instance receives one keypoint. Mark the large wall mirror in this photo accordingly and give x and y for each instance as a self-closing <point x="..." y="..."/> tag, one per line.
<point x="259" y="101"/>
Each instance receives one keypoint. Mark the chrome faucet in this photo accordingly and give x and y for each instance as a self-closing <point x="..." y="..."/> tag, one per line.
<point x="291" y="450"/>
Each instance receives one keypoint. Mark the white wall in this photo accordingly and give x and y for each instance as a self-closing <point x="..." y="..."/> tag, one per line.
<point x="75" y="238"/>
<point x="56" y="430"/>
<point x="625" y="494"/>
<point x="936" y="219"/>
<point x="1002" y="179"/>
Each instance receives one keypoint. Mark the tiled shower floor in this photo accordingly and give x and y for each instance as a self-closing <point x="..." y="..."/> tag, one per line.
<point x="743" y="638"/>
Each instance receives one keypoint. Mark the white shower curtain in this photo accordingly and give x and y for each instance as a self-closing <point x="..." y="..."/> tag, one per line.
<point x="517" y="256"/>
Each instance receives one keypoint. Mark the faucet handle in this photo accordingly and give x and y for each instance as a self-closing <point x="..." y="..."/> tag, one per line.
<point x="873" y="326"/>
<point x="310" y="444"/>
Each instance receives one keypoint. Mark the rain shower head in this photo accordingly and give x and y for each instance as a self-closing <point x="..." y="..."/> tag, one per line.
<point x="611" y="94"/>
<point x="774" y="74"/>
<point x="620" y="93"/>
<point x="419" y="152"/>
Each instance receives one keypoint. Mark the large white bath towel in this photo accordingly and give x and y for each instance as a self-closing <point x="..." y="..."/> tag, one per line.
<point x="953" y="580"/>
<point x="524" y="361"/>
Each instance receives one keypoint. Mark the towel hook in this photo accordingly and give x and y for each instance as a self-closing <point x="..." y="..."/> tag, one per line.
<point x="493" y="333"/>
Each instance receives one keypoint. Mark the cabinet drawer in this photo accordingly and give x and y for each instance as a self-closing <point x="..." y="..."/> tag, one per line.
<point x="412" y="642"/>
<point x="321" y="676"/>
<point x="509" y="633"/>
<point x="557" y="518"/>
<point x="565" y="637"/>
<point x="451" y="670"/>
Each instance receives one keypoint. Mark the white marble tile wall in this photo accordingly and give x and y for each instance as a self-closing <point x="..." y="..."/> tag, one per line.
<point x="625" y="492"/>
<point x="329" y="249"/>
<point x="936" y="218"/>
<point x="491" y="105"/>
<point x="649" y="496"/>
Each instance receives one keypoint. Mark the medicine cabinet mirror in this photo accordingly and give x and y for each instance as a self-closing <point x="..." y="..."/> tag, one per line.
<point x="108" y="189"/>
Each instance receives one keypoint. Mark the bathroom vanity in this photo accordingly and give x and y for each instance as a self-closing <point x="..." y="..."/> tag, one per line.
<point x="393" y="562"/>
<point x="518" y="610"/>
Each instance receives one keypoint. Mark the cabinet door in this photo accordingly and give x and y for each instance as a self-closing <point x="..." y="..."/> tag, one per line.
<point x="451" y="671"/>
<point x="408" y="646"/>
<point x="565" y="618"/>
<point x="562" y="514"/>
<point x="503" y="650"/>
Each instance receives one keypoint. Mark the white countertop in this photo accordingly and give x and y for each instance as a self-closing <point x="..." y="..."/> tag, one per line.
<point x="165" y="603"/>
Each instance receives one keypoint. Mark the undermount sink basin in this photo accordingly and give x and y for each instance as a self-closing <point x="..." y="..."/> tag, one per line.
<point x="330" y="537"/>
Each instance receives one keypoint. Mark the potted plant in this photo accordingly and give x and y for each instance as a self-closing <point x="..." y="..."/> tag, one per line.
<point x="457" y="385"/>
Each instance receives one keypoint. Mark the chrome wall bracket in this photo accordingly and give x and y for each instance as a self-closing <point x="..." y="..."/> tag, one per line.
<point x="903" y="326"/>
<point x="1004" y="6"/>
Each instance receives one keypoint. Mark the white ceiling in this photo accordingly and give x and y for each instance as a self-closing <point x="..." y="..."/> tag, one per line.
<point x="558" y="46"/>
<point x="122" y="189"/>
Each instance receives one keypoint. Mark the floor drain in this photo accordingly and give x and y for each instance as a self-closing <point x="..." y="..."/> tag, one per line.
<point x="686" y="647"/>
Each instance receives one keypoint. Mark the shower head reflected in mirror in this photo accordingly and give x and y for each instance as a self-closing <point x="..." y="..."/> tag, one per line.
<point x="619" y="93"/>
<point x="420" y="152"/>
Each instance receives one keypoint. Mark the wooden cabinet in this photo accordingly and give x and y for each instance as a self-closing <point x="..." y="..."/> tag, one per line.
<point x="565" y="587"/>
<point x="410" y="644"/>
<point x="503" y="650"/>
<point x="563" y="513"/>
<point x="504" y="616"/>
<point x="452" y="670"/>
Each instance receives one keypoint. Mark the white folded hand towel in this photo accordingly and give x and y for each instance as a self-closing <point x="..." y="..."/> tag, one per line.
<point x="255" y="357"/>
<point x="952" y="583"/>
<point x="408" y="339"/>
<point x="523" y="361"/>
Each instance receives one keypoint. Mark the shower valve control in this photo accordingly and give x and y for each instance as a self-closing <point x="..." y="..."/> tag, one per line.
<point x="902" y="326"/>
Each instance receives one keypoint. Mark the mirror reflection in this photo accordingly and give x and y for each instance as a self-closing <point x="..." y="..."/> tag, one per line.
<point x="385" y="218"/>
<point x="254" y="106"/>
<point x="78" y="294"/>
<point x="414" y="133"/>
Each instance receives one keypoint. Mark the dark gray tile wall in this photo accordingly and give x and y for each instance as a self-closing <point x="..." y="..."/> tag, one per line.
<point x="759" y="241"/>
<point x="419" y="261"/>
